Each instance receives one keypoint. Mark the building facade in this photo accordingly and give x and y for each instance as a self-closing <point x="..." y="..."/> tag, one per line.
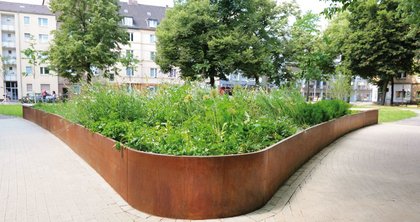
<point x="141" y="22"/>
<point x="406" y="90"/>
<point x="21" y="26"/>
<point x="363" y="91"/>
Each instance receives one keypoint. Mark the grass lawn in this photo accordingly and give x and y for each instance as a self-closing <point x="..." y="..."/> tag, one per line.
<point x="391" y="114"/>
<point x="11" y="110"/>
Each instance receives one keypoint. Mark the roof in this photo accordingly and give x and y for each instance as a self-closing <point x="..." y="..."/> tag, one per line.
<point x="25" y="8"/>
<point x="141" y="13"/>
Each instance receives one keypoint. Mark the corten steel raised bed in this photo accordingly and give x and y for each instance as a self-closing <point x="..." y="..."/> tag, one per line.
<point x="189" y="187"/>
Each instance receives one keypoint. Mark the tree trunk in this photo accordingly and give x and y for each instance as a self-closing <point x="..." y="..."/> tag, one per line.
<point x="89" y="78"/>
<point x="212" y="82"/>
<point x="384" y="86"/>
<point x="307" y="90"/>
<point x="392" y="91"/>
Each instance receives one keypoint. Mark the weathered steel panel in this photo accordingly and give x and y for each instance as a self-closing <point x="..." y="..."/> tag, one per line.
<point x="198" y="187"/>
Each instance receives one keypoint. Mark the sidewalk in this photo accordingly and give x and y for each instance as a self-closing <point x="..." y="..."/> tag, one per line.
<point x="372" y="174"/>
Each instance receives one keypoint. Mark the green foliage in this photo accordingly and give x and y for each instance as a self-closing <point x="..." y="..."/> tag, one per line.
<point x="11" y="110"/>
<point x="190" y="120"/>
<point x="34" y="57"/>
<point x="379" y="45"/>
<point x="311" y="52"/>
<point x="340" y="87"/>
<point x="89" y="36"/>
<point x="324" y="110"/>
<point x="212" y="38"/>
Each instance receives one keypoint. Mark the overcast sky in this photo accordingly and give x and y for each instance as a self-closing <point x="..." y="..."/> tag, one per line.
<point x="315" y="6"/>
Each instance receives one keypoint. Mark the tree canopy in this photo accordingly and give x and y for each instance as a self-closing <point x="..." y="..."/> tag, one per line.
<point x="212" y="38"/>
<point x="310" y="51"/>
<point x="88" y="37"/>
<point x="378" y="46"/>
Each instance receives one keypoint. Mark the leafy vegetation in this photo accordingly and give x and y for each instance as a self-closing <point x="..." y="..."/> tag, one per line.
<point x="83" y="41"/>
<point x="375" y="41"/>
<point x="11" y="110"/>
<point x="310" y="51"/>
<point x="190" y="120"/>
<point x="213" y="38"/>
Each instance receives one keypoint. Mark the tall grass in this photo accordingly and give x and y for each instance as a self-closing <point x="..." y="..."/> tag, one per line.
<point x="191" y="120"/>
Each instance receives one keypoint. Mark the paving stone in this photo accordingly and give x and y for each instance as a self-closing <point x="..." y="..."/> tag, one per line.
<point x="368" y="175"/>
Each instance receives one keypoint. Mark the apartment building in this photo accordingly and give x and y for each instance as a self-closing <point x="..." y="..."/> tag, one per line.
<point x="406" y="90"/>
<point x="363" y="91"/>
<point x="141" y="22"/>
<point x="22" y="24"/>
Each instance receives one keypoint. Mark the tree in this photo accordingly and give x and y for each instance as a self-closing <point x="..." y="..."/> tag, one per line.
<point x="184" y="36"/>
<point x="129" y="61"/>
<point x="378" y="45"/>
<point x="212" y="38"/>
<point x="89" y="35"/>
<point x="310" y="52"/>
<point x="340" y="87"/>
<point x="34" y="57"/>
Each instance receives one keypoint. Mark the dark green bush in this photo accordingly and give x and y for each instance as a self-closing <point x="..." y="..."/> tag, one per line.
<point x="191" y="120"/>
<point x="324" y="110"/>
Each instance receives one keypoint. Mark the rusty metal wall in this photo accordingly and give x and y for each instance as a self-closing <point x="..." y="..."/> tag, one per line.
<point x="187" y="187"/>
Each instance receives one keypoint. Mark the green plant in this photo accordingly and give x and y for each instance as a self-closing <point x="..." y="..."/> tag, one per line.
<point x="191" y="120"/>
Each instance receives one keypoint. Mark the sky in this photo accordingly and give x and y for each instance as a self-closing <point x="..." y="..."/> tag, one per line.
<point x="315" y="6"/>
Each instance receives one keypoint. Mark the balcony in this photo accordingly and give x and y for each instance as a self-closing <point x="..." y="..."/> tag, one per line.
<point x="10" y="76"/>
<point x="7" y="27"/>
<point x="9" y="61"/>
<point x="9" y="44"/>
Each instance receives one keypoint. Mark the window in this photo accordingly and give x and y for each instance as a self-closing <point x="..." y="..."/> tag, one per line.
<point x="28" y="87"/>
<point x="129" y="52"/>
<point x="152" y="88"/>
<point x="153" y="72"/>
<point x="402" y="94"/>
<point x="130" y="36"/>
<point x="152" y="56"/>
<point x="10" y="68"/>
<point x="43" y="38"/>
<point x="43" y="21"/>
<point x="172" y="73"/>
<point x="28" y="70"/>
<point x="111" y="77"/>
<point x="129" y="71"/>
<point x="128" y="21"/>
<point x="27" y="37"/>
<point x="44" y="70"/>
<point x="9" y="51"/>
<point x="45" y="87"/>
<point x="152" y="23"/>
<point x="26" y="20"/>
<point x="418" y="94"/>
<point x="152" y="38"/>
<point x="9" y="35"/>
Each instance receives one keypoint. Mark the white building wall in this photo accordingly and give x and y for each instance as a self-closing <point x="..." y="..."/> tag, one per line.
<point x="13" y="23"/>
<point x="142" y="47"/>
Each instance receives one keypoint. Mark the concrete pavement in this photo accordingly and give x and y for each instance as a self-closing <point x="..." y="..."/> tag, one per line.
<point x="372" y="174"/>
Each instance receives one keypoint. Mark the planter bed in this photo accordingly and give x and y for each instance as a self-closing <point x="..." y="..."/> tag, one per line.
<point x="187" y="187"/>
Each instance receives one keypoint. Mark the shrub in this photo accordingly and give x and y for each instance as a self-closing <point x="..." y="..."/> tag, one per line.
<point x="324" y="110"/>
<point x="191" y="120"/>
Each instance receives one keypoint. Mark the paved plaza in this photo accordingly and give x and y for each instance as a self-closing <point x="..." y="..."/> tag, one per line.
<point x="372" y="174"/>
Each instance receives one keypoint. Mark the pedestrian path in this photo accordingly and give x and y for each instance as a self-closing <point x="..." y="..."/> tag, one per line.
<point x="372" y="174"/>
